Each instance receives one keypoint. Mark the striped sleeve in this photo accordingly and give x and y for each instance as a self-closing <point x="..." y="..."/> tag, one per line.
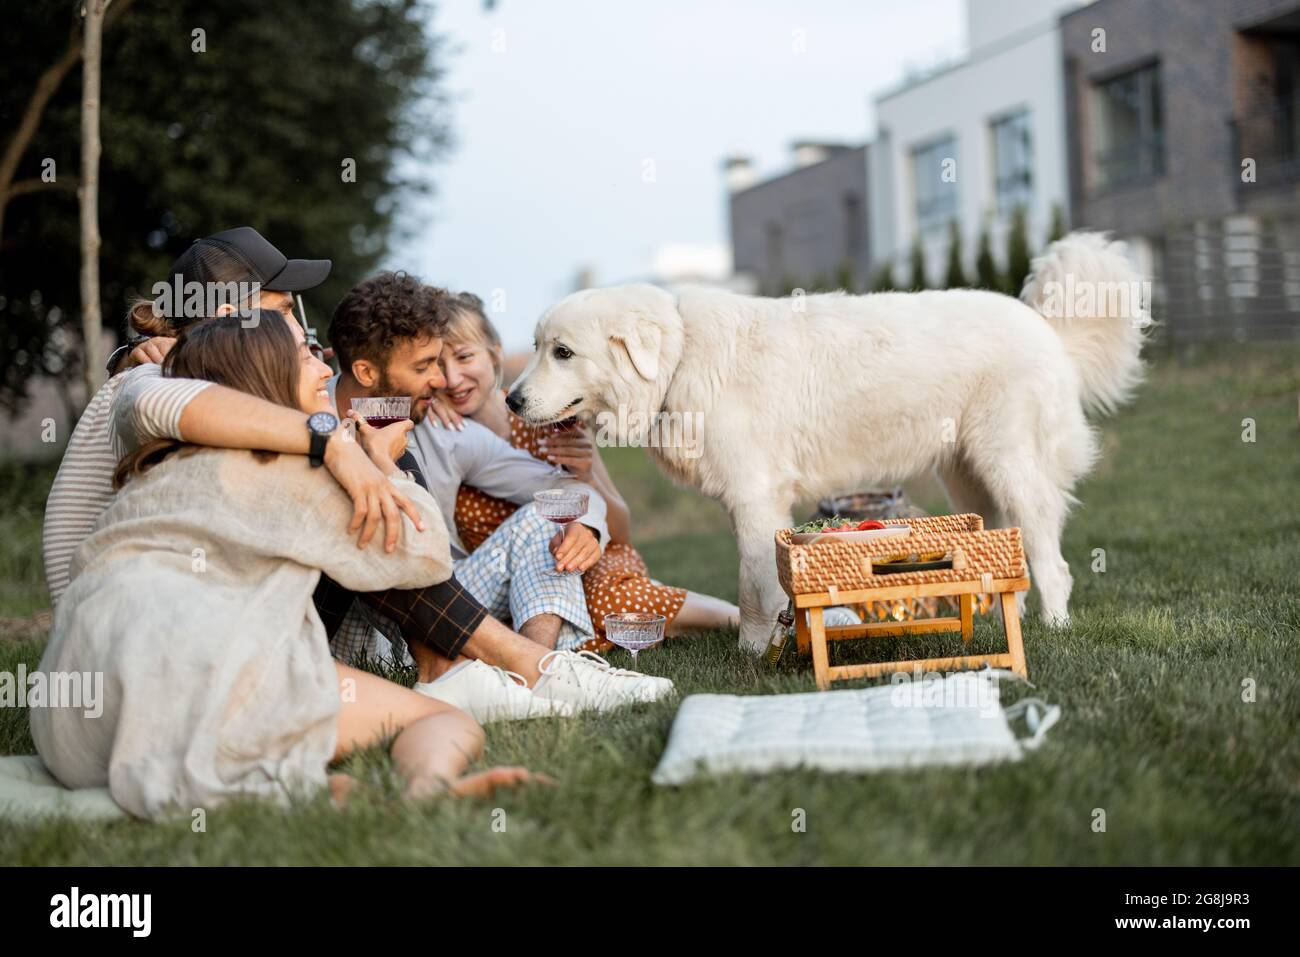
<point x="81" y="491"/>
<point x="149" y="406"/>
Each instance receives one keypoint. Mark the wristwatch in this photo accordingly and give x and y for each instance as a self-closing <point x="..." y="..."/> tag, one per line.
<point x="321" y="425"/>
<point x="133" y="339"/>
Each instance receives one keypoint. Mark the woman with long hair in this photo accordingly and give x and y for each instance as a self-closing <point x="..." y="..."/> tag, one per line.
<point x="192" y="598"/>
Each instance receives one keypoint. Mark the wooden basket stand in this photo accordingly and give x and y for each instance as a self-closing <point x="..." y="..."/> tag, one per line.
<point x="985" y="561"/>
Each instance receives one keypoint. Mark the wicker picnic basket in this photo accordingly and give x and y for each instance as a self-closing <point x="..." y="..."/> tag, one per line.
<point x="977" y="552"/>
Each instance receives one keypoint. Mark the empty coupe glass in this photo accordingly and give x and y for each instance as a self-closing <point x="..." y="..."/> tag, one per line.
<point x="635" y="630"/>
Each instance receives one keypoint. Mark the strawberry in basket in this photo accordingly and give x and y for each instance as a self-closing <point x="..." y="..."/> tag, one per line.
<point x="864" y="525"/>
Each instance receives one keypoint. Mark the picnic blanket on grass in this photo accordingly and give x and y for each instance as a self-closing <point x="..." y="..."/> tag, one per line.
<point x="932" y="721"/>
<point x="28" y="793"/>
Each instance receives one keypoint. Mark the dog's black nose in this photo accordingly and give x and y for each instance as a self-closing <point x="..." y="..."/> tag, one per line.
<point x="513" y="402"/>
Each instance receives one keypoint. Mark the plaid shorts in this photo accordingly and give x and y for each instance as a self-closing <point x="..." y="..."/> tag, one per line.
<point x="509" y="574"/>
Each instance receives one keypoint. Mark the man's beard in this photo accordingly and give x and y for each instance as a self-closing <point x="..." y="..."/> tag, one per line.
<point x="385" y="386"/>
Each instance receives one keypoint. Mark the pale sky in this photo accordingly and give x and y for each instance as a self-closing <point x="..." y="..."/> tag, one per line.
<point x="560" y="107"/>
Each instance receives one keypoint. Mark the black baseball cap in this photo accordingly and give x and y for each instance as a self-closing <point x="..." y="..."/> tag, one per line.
<point x="243" y="254"/>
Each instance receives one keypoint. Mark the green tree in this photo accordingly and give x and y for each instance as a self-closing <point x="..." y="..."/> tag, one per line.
<point x="1058" y="223"/>
<point x="918" y="280"/>
<point x="986" y="267"/>
<point x="846" y="277"/>
<point x="956" y="276"/>
<point x="883" y="280"/>
<point x="214" y="114"/>
<point x="1017" y="252"/>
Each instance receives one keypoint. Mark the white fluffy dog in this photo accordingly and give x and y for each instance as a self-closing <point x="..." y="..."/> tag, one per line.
<point x="806" y="397"/>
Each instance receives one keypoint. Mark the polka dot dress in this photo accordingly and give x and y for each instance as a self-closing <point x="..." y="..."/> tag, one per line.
<point x="618" y="582"/>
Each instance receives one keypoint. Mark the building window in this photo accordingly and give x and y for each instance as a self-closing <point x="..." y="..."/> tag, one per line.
<point x="1267" y="123"/>
<point x="934" y="173"/>
<point x="1129" y="127"/>
<point x="1013" y="162"/>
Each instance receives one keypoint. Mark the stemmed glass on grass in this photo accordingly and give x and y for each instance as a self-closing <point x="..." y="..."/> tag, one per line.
<point x="563" y="506"/>
<point x="635" y="630"/>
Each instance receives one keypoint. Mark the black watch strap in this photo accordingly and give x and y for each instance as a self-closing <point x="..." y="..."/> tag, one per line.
<point x="116" y="356"/>
<point x="316" y="454"/>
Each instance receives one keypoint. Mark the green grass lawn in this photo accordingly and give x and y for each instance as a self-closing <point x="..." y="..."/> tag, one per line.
<point x="1199" y="601"/>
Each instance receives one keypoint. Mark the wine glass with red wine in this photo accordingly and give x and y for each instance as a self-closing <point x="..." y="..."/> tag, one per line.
<point x="556" y="428"/>
<point x="563" y="506"/>
<point x="383" y="410"/>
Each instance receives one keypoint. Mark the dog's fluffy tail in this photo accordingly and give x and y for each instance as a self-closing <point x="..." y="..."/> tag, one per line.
<point x="1085" y="286"/>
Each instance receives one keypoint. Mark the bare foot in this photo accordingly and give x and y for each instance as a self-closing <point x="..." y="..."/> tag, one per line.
<point x="341" y="786"/>
<point x="482" y="784"/>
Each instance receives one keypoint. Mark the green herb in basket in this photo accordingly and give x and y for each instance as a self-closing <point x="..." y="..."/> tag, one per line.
<point x="838" y="524"/>
<point x="821" y="524"/>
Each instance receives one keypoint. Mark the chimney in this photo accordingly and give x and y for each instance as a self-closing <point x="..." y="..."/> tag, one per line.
<point x="807" y="152"/>
<point x="738" y="172"/>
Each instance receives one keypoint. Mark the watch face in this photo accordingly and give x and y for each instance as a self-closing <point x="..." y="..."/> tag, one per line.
<point x="322" y="423"/>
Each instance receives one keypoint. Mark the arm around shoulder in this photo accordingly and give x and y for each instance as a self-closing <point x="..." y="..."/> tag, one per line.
<point x="148" y="406"/>
<point x="419" y="559"/>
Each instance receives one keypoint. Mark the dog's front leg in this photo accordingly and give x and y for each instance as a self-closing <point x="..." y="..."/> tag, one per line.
<point x="761" y="595"/>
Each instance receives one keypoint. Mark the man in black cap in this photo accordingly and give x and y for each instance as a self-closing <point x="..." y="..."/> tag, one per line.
<point x="234" y="270"/>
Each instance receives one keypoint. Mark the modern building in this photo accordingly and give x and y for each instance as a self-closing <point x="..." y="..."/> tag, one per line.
<point x="972" y="141"/>
<point x="1183" y="119"/>
<point x="804" y="228"/>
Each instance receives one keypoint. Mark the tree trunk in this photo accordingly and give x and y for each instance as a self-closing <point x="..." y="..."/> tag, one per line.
<point x="91" y="319"/>
<point x="46" y="87"/>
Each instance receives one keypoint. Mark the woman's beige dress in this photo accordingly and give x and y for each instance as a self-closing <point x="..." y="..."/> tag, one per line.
<point x="193" y="597"/>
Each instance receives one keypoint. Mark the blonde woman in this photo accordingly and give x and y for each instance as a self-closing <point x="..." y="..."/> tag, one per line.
<point x="471" y="364"/>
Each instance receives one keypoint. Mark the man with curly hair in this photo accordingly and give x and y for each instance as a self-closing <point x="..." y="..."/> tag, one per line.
<point x="387" y="335"/>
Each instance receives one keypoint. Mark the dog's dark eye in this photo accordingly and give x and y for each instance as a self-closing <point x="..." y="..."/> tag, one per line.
<point x="562" y="352"/>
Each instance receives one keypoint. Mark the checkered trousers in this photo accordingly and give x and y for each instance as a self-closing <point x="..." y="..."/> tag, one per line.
<point x="509" y="574"/>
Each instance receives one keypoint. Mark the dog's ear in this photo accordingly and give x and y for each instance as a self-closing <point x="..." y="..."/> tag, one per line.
<point x="640" y="339"/>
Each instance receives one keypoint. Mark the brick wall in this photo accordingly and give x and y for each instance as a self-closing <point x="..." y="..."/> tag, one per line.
<point x="1204" y="67"/>
<point x="795" y="228"/>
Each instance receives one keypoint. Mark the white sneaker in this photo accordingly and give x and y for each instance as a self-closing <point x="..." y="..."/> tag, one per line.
<point x="587" y="682"/>
<point x="489" y="694"/>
